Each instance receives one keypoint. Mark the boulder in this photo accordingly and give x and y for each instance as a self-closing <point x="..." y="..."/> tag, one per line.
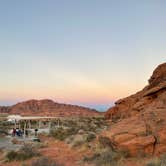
<point x="140" y="145"/>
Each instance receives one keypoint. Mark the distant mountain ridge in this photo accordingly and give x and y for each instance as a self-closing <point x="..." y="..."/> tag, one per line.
<point x="48" y="107"/>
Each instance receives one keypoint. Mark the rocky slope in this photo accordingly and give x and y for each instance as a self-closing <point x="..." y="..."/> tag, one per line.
<point x="138" y="122"/>
<point x="48" y="108"/>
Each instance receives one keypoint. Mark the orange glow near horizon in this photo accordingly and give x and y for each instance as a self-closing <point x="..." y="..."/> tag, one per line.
<point x="96" y="94"/>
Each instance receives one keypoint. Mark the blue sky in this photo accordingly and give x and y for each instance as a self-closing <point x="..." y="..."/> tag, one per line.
<point x="87" y="52"/>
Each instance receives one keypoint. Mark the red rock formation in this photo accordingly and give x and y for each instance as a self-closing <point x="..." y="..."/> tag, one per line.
<point x="139" y="121"/>
<point x="48" y="108"/>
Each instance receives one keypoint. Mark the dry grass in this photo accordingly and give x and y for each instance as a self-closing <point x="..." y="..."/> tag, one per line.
<point x="161" y="161"/>
<point x="26" y="152"/>
<point x="44" y="161"/>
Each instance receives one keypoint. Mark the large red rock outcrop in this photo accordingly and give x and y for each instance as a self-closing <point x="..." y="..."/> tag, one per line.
<point x="138" y="122"/>
<point x="48" y="108"/>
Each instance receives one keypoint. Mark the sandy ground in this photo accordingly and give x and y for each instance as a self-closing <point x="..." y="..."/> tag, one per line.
<point x="65" y="155"/>
<point x="60" y="152"/>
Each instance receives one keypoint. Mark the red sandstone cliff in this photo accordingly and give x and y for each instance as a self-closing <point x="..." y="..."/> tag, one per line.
<point x="138" y="122"/>
<point x="48" y="108"/>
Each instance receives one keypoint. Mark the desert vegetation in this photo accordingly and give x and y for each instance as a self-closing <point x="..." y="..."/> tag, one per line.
<point x="4" y="126"/>
<point x="157" y="161"/>
<point x="105" y="154"/>
<point x="80" y="130"/>
<point x="78" y="136"/>
<point x="26" y="152"/>
<point x="45" y="161"/>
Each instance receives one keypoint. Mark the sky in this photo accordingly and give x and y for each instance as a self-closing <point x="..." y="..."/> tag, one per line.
<point x="85" y="52"/>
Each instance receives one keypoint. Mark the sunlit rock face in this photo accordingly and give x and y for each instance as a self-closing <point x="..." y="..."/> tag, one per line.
<point x="139" y="121"/>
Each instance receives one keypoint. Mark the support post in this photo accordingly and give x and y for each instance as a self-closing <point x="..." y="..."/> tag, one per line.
<point x="58" y="123"/>
<point x="19" y="126"/>
<point x="24" y="128"/>
<point x="15" y="124"/>
<point x="49" y="125"/>
<point x="39" y="124"/>
<point x="29" y="124"/>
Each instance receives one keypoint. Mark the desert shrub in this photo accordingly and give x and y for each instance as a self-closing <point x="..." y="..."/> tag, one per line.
<point x="57" y="133"/>
<point x="70" y="123"/>
<point x="62" y="134"/>
<point x="26" y="152"/>
<point x="100" y="122"/>
<point x="78" y="140"/>
<point x="90" y="137"/>
<point x="88" y="128"/>
<point x="161" y="161"/>
<point x="116" y="118"/>
<point x="105" y="154"/>
<point x="24" y="164"/>
<point x="69" y="140"/>
<point x="154" y="162"/>
<point x="44" y="161"/>
<point x="77" y="143"/>
<point x="73" y="126"/>
<point x="148" y="129"/>
<point x="29" y="150"/>
<point x="124" y="153"/>
<point x="106" y="157"/>
<point x="11" y="155"/>
<point x="105" y="142"/>
<point x="4" y="126"/>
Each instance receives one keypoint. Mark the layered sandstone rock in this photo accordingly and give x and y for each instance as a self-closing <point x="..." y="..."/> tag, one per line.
<point x="139" y="121"/>
<point x="48" y="108"/>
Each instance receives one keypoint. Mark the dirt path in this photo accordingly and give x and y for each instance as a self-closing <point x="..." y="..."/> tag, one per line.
<point x="5" y="143"/>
